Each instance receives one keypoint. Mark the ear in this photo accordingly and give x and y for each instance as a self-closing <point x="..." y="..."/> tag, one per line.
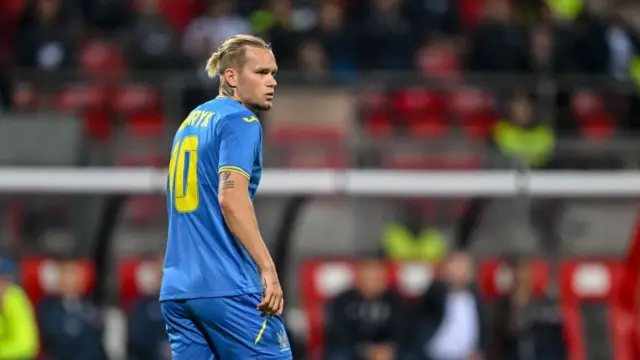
<point x="231" y="77"/>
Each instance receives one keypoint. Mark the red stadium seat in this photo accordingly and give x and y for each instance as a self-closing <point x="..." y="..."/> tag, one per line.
<point x="322" y="280"/>
<point x="136" y="278"/>
<point x="80" y="97"/>
<point x="438" y="60"/>
<point x="136" y="98"/>
<point x="102" y="59"/>
<point x="495" y="277"/>
<point x="40" y="277"/>
<point x="598" y="127"/>
<point x="379" y="125"/>
<point x="417" y="100"/>
<point x="375" y="109"/>
<point x="474" y="110"/>
<point x="97" y="124"/>
<point x="589" y="290"/>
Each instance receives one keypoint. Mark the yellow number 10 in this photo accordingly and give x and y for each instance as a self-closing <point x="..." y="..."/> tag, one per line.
<point x="185" y="198"/>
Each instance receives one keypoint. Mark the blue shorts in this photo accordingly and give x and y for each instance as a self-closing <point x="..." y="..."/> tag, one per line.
<point x="224" y="328"/>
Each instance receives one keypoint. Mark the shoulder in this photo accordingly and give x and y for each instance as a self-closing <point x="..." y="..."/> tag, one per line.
<point x="241" y="120"/>
<point x="15" y="295"/>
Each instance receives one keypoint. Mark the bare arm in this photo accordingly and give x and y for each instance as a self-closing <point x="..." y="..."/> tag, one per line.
<point x="240" y="216"/>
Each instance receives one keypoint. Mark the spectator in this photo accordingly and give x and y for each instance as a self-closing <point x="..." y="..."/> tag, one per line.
<point x="153" y="45"/>
<point x="18" y="327"/>
<point x="365" y="322"/>
<point x="523" y="328"/>
<point x="71" y="325"/>
<point x="106" y="16"/>
<point x="45" y="40"/>
<point x="433" y="18"/>
<point x="498" y="44"/>
<point x="147" y="335"/>
<point x="409" y="239"/>
<point x="388" y="29"/>
<point x="218" y="23"/>
<point x="451" y="321"/>
<point x="276" y="24"/>
<point x="312" y="64"/>
<point x="336" y="38"/>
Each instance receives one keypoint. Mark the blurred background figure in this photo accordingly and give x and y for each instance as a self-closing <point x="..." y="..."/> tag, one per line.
<point x="366" y="322"/>
<point x="18" y="327"/>
<point x="70" y="324"/>
<point x="408" y="239"/>
<point x="452" y="323"/>
<point x="526" y="327"/>
<point x="147" y="335"/>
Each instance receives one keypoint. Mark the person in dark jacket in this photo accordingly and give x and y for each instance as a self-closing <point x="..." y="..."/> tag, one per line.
<point x="71" y="325"/>
<point x="365" y="323"/>
<point x="526" y="327"/>
<point x="451" y="324"/>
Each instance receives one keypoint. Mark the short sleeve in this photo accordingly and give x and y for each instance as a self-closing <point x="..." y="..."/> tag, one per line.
<point x="240" y="138"/>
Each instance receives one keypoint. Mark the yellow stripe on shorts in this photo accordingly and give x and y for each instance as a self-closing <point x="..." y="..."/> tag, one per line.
<point x="264" y="326"/>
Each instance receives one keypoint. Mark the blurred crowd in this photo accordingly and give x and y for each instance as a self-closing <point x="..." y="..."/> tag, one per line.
<point x="339" y="41"/>
<point x="515" y="75"/>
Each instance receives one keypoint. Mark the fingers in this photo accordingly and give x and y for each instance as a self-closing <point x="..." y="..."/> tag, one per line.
<point x="281" y="306"/>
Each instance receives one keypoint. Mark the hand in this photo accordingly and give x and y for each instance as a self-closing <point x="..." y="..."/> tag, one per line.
<point x="272" y="299"/>
<point x="475" y="356"/>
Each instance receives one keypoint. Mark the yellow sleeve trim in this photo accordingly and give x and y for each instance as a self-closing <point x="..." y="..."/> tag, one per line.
<point x="264" y="326"/>
<point x="236" y="169"/>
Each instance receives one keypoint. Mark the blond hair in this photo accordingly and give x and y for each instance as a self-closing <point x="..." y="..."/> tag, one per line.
<point x="231" y="53"/>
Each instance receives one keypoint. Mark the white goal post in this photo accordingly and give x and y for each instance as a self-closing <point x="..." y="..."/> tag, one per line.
<point x="354" y="182"/>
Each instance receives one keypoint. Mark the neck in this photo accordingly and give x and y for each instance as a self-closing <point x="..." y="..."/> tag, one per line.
<point x="230" y="95"/>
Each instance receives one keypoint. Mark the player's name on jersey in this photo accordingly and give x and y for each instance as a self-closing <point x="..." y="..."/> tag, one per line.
<point x="197" y="118"/>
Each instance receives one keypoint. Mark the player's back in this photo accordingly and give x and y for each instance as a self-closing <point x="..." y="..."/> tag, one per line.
<point x="203" y="259"/>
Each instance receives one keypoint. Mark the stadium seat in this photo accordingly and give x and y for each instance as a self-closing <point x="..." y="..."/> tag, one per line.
<point x="375" y="108"/>
<point x="495" y="277"/>
<point x="597" y="127"/>
<point x="136" y="99"/>
<point x="589" y="111"/>
<point x="98" y="124"/>
<point x="593" y="318"/>
<point x="417" y="100"/>
<point x="322" y="280"/>
<point x="136" y="278"/>
<point x="474" y="110"/>
<point x="438" y="60"/>
<point x="378" y="124"/>
<point x="40" y="277"/>
<point x="78" y="97"/>
<point x="425" y="126"/>
<point x="102" y="60"/>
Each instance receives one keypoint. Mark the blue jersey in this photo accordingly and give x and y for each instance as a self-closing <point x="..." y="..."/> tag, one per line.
<point x="203" y="258"/>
